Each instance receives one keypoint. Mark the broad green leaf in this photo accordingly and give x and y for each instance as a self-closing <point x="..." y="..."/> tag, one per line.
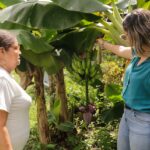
<point x="11" y="2"/>
<point x="105" y="1"/>
<point x="86" y="6"/>
<point x="122" y="4"/>
<point x="147" y="5"/>
<point x="77" y="41"/>
<point x="43" y="14"/>
<point x="113" y="92"/>
<point x="113" y="113"/>
<point x="140" y="3"/>
<point x="48" y="34"/>
<point x="41" y="60"/>
<point x="29" y="42"/>
<point x="2" y="5"/>
<point x="11" y="25"/>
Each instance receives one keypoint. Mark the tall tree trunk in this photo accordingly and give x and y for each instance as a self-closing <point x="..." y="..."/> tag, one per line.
<point x="61" y="94"/>
<point x="42" y="119"/>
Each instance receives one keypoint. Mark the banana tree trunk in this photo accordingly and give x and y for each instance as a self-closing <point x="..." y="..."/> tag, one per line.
<point x="61" y="94"/>
<point x="42" y="119"/>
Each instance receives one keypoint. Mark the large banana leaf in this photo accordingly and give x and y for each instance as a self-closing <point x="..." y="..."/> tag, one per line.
<point x="113" y="92"/>
<point x="37" y="14"/>
<point x="45" y="60"/>
<point x="11" y="25"/>
<point x="10" y="2"/>
<point x="29" y="42"/>
<point x="77" y="41"/>
<point x="40" y="53"/>
<point x="113" y="113"/>
<point x="125" y="3"/>
<point x="86" y="6"/>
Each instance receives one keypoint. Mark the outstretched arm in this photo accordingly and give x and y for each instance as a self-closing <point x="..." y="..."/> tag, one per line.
<point x="119" y="50"/>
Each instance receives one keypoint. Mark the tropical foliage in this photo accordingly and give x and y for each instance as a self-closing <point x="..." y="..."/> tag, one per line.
<point x="61" y="34"/>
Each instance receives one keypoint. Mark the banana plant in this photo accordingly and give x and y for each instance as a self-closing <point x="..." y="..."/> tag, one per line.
<point x="61" y="16"/>
<point x="25" y="19"/>
<point x="84" y="67"/>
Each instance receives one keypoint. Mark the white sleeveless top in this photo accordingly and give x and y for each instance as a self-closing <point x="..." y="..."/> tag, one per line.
<point x="16" y="102"/>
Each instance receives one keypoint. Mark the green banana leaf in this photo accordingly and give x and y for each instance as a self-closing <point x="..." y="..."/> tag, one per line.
<point x="30" y="42"/>
<point x="122" y="4"/>
<point x="86" y="6"/>
<point x="42" y="14"/>
<point x="11" y="25"/>
<point x="79" y="40"/>
<point x="140" y="3"/>
<point x="113" y="113"/>
<point x="10" y="2"/>
<point x="2" y="5"/>
<point x="50" y="63"/>
<point x="146" y="5"/>
<point x="113" y="92"/>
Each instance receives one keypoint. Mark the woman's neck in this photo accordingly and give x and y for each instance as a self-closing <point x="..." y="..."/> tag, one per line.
<point x="5" y="68"/>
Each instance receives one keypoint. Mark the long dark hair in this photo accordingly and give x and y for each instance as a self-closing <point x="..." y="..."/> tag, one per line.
<point x="137" y="26"/>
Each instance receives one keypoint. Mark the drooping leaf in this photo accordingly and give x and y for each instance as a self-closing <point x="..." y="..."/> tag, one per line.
<point x="42" y="14"/>
<point x="113" y="113"/>
<point x="29" y="42"/>
<point x="78" y="40"/>
<point x="11" y="25"/>
<point x="86" y="6"/>
<point x="41" y="60"/>
<point x="122" y="4"/>
<point x="147" y="5"/>
<point x="48" y="34"/>
<point x="2" y="5"/>
<point x="140" y="3"/>
<point x="11" y="2"/>
<point x="112" y="89"/>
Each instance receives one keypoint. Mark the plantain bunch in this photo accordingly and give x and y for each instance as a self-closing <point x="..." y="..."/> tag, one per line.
<point x="82" y="68"/>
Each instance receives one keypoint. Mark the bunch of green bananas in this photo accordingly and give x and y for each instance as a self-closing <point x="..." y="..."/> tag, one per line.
<point x="84" y="68"/>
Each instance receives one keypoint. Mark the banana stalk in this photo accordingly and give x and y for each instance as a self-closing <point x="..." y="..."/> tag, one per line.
<point x="115" y="22"/>
<point x="116" y="13"/>
<point x="115" y="34"/>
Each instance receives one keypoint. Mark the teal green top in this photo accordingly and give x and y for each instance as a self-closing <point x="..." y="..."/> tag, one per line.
<point x="136" y="89"/>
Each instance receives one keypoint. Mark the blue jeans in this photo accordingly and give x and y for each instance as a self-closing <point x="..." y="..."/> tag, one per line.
<point x="134" y="131"/>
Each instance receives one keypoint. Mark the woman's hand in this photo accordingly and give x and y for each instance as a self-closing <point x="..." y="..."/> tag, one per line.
<point x="100" y="42"/>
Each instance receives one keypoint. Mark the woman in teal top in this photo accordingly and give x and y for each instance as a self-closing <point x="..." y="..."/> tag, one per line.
<point x="134" y="129"/>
